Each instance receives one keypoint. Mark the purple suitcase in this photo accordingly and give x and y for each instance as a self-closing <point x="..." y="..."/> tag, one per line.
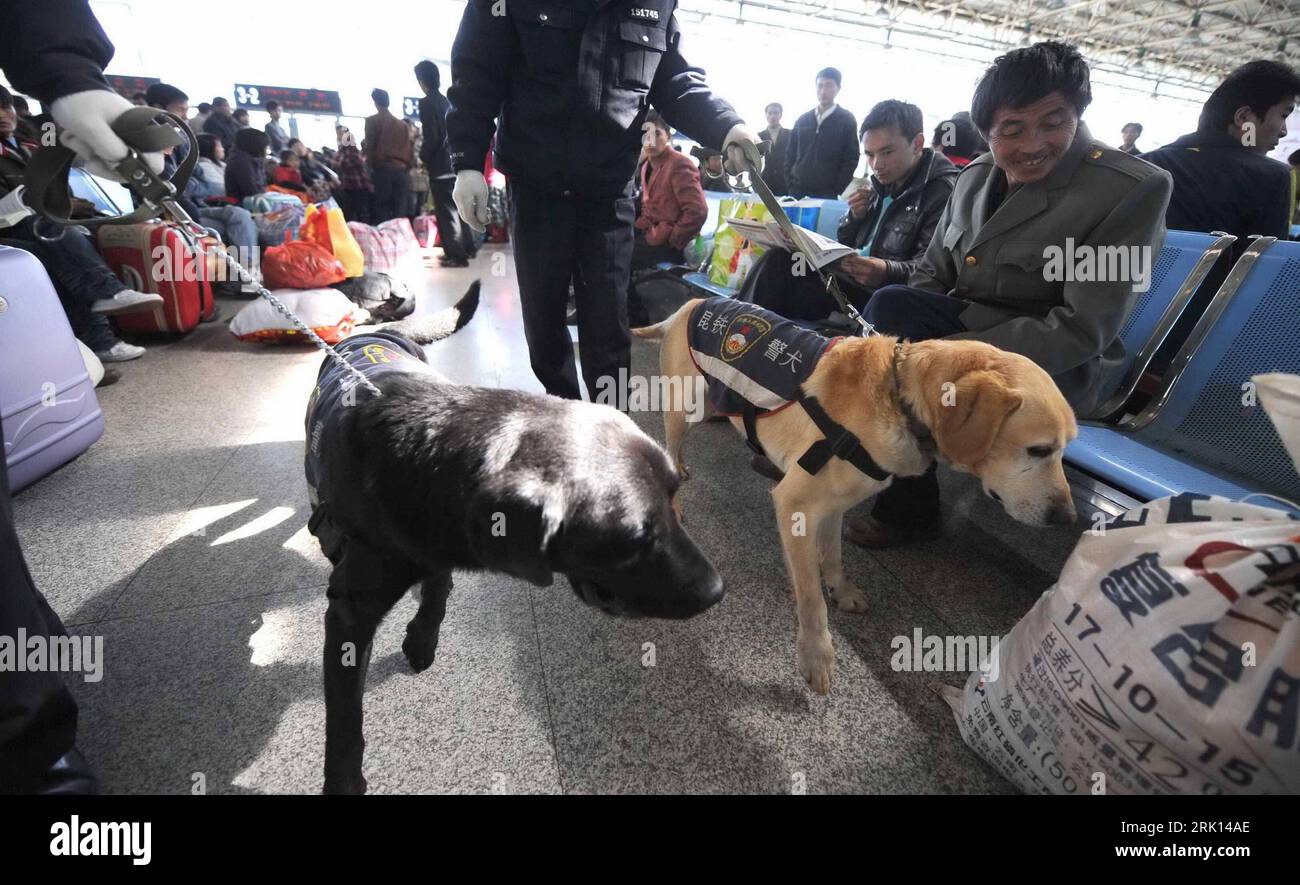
<point x="47" y="400"/>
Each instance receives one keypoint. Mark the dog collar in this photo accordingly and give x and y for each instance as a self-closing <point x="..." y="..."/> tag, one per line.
<point x="924" y="437"/>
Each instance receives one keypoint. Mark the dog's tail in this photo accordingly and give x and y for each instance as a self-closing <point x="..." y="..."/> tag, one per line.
<point x="436" y="326"/>
<point x="660" y="329"/>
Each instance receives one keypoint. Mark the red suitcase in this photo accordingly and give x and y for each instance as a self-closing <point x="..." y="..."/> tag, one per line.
<point x="155" y="257"/>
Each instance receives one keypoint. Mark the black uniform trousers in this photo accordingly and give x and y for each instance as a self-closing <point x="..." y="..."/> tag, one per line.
<point x="38" y="717"/>
<point x="559" y="240"/>
<point x="911" y="503"/>
<point x="457" y="237"/>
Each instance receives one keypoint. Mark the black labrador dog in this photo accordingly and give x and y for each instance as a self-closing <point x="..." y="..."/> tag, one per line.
<point x="431" y="476"/>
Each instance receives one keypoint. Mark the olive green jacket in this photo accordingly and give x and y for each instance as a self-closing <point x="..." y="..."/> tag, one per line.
<point x="1014" y="267"/>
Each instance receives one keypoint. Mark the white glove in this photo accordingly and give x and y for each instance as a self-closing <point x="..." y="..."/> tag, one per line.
<point x="471" y="198"/>
<point x="12" y="207"/>
<point x="86" y="120"/>
<point x="740" y="151"/>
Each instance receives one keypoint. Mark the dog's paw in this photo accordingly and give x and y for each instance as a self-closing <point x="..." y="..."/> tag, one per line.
<point x="419" y="649"/>
<point x="817" y="663"/>
<point x="849" y="598"/>
<point x="345" y="786"/>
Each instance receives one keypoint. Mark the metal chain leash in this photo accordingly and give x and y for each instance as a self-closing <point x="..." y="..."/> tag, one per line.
<point x="280" y="306"/>
<point x="146" y="130"/>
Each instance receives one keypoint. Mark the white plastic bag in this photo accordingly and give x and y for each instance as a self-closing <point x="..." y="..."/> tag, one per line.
<point x="1165" y="660"/>
<point x="328" y="313"/>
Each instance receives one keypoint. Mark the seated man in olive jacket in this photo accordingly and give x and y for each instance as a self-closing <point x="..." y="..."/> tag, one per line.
<point x="1046" y="194"/>
<point x="890" y="222"/>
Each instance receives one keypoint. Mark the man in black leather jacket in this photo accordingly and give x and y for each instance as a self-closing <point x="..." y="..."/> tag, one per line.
<point x="890" y="221"/>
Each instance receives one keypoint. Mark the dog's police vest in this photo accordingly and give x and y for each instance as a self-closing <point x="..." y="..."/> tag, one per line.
<point x="756" y="362"/>
<point x="374" y="355"/>
<point x="752" y="356"/>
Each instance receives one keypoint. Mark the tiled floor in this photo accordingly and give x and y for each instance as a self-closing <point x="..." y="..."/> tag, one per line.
<point x="180" y="538"/>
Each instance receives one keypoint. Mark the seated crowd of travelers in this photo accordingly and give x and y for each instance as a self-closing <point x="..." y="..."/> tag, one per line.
<point x="385" y="176"/>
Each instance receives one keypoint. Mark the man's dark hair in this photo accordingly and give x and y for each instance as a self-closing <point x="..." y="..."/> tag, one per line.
<point x="379" y="97"/>
<point x="159" y="95"/>
<point x="208" y="145"/>
<point x="1137" y="126"/>
<point x="830" y="74"/>
<point x="242" y="112"/>
<point x="6" y="97"/>
<point x="958" y="137"/>
<point x="272" y="105"/>
<point x="1024" y="76"/>
<point x="286" y="154"/>
<point x="204" y="107"/>
<point x="220" y="101"/>
<point x="774" y="104"/>
<point x="1294" y="159"/>
<point x="21" y="106"/>
<point x="659" y="122"/>
<point x="904" y="117"/>
<point x="1257" y="84"/>
<point x="252" y="141"/>
<point x="427" y="73"/>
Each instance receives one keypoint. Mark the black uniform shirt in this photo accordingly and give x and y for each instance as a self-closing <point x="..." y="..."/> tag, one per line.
<point x="571" y="82"/>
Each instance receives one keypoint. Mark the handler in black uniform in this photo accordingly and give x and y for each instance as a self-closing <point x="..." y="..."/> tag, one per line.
<point x="56" y="52"/>
<point x="571" y="82"/>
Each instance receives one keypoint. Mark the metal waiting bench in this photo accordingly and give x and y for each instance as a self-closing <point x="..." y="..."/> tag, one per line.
<point x="1184" y="261"/>
<point x="1203" y="430"/>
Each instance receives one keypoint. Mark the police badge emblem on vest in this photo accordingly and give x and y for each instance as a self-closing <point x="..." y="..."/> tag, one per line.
<point x="746" y="331"/>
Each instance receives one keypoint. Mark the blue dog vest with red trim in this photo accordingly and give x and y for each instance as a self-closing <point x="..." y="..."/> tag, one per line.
<point x="374" y="355"/>
<point x="752" y="356"/>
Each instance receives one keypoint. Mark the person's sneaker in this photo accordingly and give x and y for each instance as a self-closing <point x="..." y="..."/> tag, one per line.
<point x="872" y="534"/>
<point x="453" y="262"/>
<point x="126" y="301"/>
<point x="120" y="352"/>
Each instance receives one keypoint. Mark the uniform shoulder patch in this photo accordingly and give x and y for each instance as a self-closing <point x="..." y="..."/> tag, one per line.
<point x="1098" y="154"/>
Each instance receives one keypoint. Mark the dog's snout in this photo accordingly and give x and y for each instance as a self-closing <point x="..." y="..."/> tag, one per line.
<point x="709" y="591"/>
<point x="1062" y="514"/>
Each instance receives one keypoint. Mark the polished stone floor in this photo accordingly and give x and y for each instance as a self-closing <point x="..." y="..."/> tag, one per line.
<point x="180" y="538"/>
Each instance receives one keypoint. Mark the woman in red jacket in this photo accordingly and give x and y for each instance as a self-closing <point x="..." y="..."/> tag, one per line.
<point x="672" y="207"/>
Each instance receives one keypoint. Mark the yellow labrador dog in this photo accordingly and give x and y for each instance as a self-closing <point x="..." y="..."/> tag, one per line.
<point x="981" y="410"/>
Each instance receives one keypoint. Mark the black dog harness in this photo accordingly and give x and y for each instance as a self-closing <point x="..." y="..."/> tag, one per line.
<point x="756" y="362"/>
<point x="374" y="355"/>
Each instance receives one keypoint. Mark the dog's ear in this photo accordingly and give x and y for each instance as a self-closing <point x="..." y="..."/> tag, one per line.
<point x="968" y="413"/>
<point x="509" y="532"/>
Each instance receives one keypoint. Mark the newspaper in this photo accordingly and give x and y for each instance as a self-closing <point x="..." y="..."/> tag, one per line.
<point x="821" y="250"/>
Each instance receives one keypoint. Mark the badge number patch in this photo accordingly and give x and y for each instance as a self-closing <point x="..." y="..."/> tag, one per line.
<point x="744" y="332"/>
<point x="646" y="15"/>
